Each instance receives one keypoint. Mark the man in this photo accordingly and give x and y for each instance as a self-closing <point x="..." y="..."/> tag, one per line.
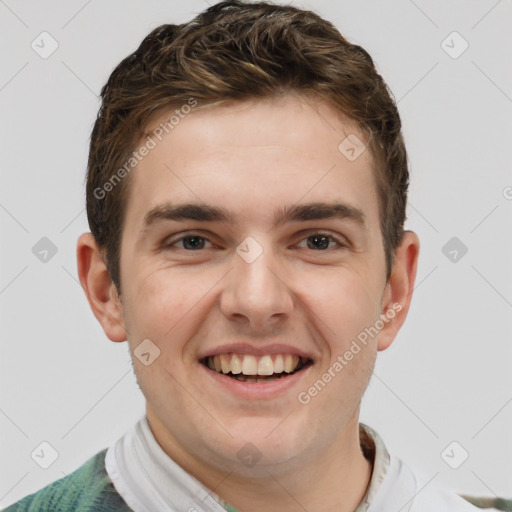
<point x="246" y="194"/>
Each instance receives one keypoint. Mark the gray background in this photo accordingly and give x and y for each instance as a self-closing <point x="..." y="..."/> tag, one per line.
<point x="448" y="375"/>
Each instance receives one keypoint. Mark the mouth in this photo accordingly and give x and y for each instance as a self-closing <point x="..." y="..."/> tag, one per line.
<point x="251" y="368"/>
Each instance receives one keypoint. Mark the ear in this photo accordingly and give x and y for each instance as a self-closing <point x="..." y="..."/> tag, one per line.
<point x="99" y="288"/>
<point x="398" y="291"/>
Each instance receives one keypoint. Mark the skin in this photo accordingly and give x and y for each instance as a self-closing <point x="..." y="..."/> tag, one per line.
<point x="254" y="157"/>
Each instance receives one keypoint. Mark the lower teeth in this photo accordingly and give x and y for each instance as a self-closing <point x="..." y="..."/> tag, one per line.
<point x="257" y="378"/>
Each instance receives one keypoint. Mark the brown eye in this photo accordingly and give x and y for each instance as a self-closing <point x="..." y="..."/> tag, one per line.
<point x="322" y="242"/>
<point x="191" y="242"/>
<point x="318" y="242"/>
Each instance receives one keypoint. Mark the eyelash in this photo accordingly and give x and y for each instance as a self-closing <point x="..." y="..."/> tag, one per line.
<point x="191" y="234"/>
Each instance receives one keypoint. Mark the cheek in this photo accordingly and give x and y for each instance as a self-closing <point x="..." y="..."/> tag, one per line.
<point x="344" y="302"/>
<point x="164" y="306"/>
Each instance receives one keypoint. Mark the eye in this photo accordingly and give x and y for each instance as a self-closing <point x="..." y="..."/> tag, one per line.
<point x="190" y="242"/>
<point x="320" y="241"/>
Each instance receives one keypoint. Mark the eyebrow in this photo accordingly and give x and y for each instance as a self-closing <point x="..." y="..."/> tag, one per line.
<point x="290" y="213"/>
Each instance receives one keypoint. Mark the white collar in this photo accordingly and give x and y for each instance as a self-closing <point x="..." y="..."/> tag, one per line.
<point x="148" y="479"/>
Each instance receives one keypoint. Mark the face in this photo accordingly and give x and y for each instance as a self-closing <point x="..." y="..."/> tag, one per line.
<point x="250" y="296"/>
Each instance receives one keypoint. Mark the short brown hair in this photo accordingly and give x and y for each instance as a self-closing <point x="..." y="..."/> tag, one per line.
<point x="234" y="51"/>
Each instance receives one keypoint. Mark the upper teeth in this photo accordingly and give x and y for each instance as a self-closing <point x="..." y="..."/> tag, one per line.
<point x="253" y="365"/>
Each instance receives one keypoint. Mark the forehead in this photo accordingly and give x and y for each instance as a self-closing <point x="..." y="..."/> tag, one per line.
<point x="255" y="155"/>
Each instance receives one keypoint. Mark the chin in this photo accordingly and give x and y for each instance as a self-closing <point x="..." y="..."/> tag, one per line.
<point x="259" y="445"/>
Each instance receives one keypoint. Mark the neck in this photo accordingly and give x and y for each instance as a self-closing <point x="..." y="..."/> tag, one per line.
<point x="334" y="480"/>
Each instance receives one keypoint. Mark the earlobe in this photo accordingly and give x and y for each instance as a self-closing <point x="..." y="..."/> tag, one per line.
<point x="99" y="288"/>
<point x="399" y="288"/>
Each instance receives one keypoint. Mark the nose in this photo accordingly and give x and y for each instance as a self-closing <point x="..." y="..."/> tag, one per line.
<point x="256" y="292"/>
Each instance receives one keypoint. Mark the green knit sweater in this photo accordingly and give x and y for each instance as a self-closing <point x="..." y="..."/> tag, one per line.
<point x="88" y="489"/>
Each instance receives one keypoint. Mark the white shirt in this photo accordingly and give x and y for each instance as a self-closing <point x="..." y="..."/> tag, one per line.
<point x="149" y="480"/>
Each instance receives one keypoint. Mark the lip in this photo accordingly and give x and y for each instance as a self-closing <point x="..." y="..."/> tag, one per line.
<point x="245" y="348"/>
<point x="254" y="390"/>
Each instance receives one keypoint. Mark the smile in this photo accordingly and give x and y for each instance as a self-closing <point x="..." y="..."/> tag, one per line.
<point x="251" y="368"/>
